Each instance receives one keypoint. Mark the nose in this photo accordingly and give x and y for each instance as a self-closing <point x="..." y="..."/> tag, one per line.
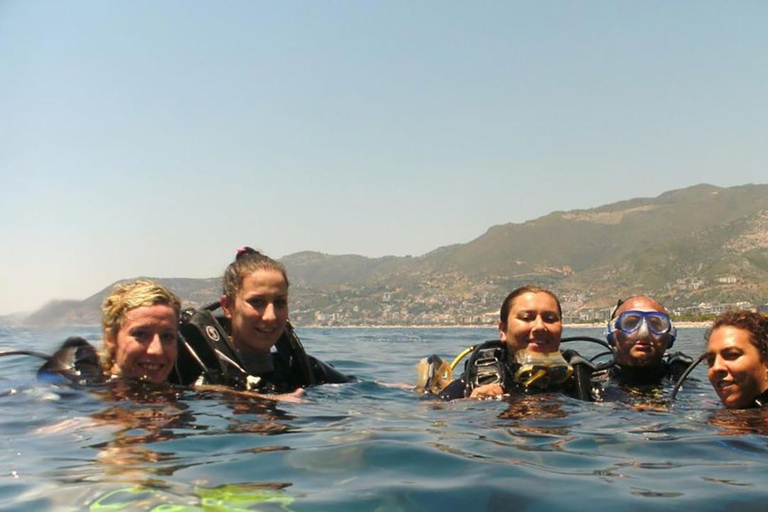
<point x="718" y="366"/>
<point x="538" y="324"/>
<point x="643" y="331"/>
<point x="155" y="346"/>
<point x="269" y="313"/>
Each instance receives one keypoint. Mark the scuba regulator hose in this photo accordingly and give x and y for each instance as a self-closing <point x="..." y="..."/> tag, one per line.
<point x="611" y="351"/>
<point x="685" y="374"/>
<point x="461" y="356"/>
<point x="25" y="353"/>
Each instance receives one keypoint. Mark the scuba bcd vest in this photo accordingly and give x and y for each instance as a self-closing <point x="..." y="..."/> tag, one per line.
<point x="487" y="364"/>
<point x="490" y="363"/>
<point x="205" y="350"/>
<point x="76" y="362"/>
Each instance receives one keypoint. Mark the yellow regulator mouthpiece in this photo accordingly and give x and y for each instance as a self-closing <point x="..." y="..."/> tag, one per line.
<point x="541" y="369"/>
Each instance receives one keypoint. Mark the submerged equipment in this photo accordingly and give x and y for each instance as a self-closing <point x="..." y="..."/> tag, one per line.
<point x="205" y="349"/>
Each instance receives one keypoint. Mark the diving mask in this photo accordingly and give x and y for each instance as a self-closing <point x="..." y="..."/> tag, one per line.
<point x="541" y="369"/>
<point x="630" y="321"/>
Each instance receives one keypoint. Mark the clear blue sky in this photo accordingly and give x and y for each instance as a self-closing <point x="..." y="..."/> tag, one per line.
<point x="153" y="138"/>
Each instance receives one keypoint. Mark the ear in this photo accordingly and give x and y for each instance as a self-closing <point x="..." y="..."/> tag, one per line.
<point x="226" y="306"/>
<point x="502" y="331"/>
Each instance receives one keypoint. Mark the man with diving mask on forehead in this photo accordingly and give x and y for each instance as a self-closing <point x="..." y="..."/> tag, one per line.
<point x="641" y="332"/>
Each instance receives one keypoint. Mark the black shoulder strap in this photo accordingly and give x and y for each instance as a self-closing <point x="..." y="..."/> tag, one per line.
<point x="486" y="364"/>
<point x="204" y="349"/>
<point x="290" y="349"/>
<point x="677" y="363"/>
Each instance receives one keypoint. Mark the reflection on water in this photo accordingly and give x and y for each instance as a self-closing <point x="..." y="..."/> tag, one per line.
<point x="751" y="421"/>
<point x="367" y="446"/>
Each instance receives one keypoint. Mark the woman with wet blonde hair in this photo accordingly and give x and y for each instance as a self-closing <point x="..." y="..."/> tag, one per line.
<point x="140" y="324"/>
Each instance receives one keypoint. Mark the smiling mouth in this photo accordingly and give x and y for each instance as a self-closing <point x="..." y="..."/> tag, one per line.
<point x="724" y="385"/>
<point x="151" y="367"/>
<point x="540" y="343"/>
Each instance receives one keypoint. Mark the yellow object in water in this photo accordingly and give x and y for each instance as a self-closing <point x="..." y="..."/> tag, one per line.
<point x="541" y="369"/>
<point x="433" y="374"/>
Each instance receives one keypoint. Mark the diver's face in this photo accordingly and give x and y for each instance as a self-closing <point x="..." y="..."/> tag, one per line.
<point x="145" y="345"/>
<point x="737" y="369"/>
<point x="640" y="348"/>
<point x="533" y="322"/>
<point x="259" y="312"/>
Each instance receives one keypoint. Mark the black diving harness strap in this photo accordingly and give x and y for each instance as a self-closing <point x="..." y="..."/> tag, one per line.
<point x="487" y="365"/>
<point x="205" y="347"/>
<point x="685" y="375"/>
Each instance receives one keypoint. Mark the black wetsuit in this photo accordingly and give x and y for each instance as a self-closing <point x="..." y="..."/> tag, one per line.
<point x="761" y="400"/>
<point x="274" y="374"/>
<point x="671" y="368"/>
<point x="630" y="384"/>
<point x="491" y="362"/>
<point x="206" y="356"/>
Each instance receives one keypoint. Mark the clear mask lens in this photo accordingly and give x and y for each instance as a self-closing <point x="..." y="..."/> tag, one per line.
<point x="631" y="321"/>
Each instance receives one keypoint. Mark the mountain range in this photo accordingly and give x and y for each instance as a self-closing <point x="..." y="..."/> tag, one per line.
<point x="702" y="244"/>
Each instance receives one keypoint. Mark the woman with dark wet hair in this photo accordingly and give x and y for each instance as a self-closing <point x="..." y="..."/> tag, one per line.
<point x="253" y="346"/>
<point x="737" y="356"/>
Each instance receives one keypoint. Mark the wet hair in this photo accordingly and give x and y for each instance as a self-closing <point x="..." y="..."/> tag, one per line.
<point x="756" y="324"/>
<point x="124" y="298"/>
<point x="247" y="261"/>
<point x="529" y="288"/>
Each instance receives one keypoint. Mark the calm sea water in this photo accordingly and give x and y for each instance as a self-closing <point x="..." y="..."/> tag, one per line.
<point x="367" y="446"/>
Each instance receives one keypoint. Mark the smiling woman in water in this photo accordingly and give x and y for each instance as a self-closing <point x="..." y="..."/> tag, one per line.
<point x="527" y="356"/>
<point x="737" y="356"/>
<point x="140" y="321"/>
<point x="252" y="346"/>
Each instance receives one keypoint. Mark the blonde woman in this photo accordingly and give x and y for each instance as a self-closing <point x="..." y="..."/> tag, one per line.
<point x="140" y="321"/>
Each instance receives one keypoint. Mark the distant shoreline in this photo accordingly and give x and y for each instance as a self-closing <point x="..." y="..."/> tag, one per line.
<point x="680" y="325"/>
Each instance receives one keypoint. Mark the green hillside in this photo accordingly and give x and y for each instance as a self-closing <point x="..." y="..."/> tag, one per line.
<point x="702" y="244"/>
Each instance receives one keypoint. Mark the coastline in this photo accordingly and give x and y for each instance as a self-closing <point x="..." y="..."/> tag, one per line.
<point x="679" y="325"/>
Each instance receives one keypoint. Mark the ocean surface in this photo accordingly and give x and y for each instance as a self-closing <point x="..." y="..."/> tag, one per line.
<point x="370" y="445"/>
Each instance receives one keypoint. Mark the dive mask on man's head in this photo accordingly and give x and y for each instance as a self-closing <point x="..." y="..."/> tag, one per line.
<point x="658" y="323"/>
